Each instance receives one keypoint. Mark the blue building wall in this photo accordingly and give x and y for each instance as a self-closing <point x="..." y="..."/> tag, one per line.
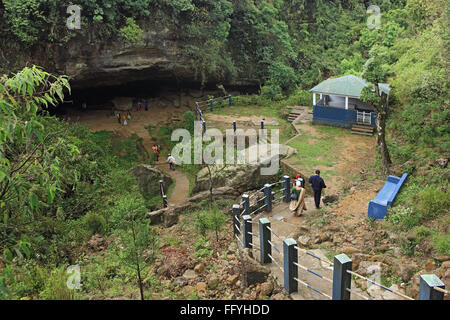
<point x="336" y="116"/>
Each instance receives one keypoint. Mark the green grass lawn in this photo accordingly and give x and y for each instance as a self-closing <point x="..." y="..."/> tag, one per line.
<point x="314" y="151"/>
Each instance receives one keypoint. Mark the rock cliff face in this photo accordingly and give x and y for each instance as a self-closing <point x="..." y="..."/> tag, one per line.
<point x="93" y="62"/>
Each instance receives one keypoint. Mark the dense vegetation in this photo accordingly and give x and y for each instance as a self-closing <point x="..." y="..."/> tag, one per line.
<point x="60" y="184"/>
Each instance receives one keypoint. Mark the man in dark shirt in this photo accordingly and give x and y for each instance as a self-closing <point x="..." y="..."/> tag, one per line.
<point x="317" y="184"/>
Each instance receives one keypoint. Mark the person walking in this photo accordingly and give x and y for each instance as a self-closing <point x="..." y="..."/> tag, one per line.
<point x="297" y="204"/>
<point x="129" y="115"/>
<point x="124" y="118"/>
<point x="317" y="184"/>
<point x="118" y="118"/>
<point x="156" y="151"/>
<point x="299" y="181"/>
<point x="146" y="105"/>
<point x="171" y="161"/>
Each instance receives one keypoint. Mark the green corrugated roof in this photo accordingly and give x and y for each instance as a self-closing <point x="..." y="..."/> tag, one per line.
<point x="350" y="86"/>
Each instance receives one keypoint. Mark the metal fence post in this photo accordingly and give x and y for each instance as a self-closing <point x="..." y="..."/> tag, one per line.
<point x="204" y="126"/>
<point x="234" y="127"/>
<point x="264" y="237"/>
<point x="342" y="280"/>
<point x="286" y="186"/>
<point x="161" y="187"/>
<point x="262" y="125"/>
<point x="165" y="203"/>
<point x="290" y="255"/>
<point x="246" y="203"/>
<point x="426" y="287"/>
<point x="211" y="105"/>
<point x="268" y="197"/>
<point x="246" y="237"/>
<point x="197" y="109"/>
<point x="230" y="102"/>
<point x="236" y="218"/>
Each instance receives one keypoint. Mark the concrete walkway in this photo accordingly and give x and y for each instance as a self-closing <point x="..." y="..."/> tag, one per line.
<point x="285" y="225"/>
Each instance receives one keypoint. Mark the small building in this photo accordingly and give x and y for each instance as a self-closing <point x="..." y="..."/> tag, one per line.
<point x="339" y="103"/>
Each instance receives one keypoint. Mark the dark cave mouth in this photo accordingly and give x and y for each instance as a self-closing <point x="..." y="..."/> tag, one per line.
<point x="166" y="92"/>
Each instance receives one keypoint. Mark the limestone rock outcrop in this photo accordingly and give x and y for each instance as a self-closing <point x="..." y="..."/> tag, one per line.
<point x="148" y="178"/>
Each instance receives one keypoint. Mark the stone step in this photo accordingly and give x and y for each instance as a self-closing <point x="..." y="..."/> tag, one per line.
<point x="362" y="130"/>
<point x="362" y="133"/>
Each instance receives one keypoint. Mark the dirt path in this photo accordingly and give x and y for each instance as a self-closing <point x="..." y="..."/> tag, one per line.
<point x="98" y="120"/>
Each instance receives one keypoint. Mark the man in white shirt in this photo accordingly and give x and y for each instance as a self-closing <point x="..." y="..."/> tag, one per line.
<point x="171" y="161"/>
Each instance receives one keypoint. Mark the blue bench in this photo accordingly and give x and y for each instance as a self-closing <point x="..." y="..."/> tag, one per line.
<point x="378" y="207"/>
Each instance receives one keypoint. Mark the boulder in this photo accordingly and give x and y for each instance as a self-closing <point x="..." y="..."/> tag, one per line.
<point x="213" y="282"/>
<point x="189" y="274"/>
<point x="442" y="162"/>
<point x="266" y="289"/>
<point x="201" y="287"/>
<point x="330" y="198"/>
<point x="407" y="271"/>
<point x="241" y="177"/>
<point x="304" y="240"/>
<point x="253" y="272"/>
<point x="97" y="243"/>
<point x="199" y="268"/>
<point x="173" y="263"/>
<point x="148" y="179"/>
<point x="231" y="280"/>
<point x="369" y="268"/>
<point x="180" y="282"/>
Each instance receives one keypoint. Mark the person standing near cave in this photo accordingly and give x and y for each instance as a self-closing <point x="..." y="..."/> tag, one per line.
<point x="156" y="151"/>
<point x="129" y="115"/>
<point x="146" y="105"/>
<point x="317" y="184"/>
<point x="118" y="118"/>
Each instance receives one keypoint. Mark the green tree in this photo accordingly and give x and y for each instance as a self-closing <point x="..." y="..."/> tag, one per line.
<point x="32" y="157"/>
<point x="138" y="241"/>
<point x="376" y="71"/>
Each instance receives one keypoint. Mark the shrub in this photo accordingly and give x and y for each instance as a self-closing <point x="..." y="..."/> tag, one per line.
<point x="55" y="286"/>
<point x="188" y="121"/>
<point x="131" y="32"/>
<point x="212" y="219"/>
<point x="94" y="223"/>
<point x="123" y="206"/>
<point x="272" y="92"/>
<point x="442" y="244"/>
<point x="431" y="201"/>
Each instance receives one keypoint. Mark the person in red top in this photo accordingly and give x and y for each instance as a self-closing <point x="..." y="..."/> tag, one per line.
<point x="299" y="181"/>
<point x="156" y="151"/>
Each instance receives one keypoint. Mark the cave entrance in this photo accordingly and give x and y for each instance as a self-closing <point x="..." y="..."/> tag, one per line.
<point x="159" y="94"/>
